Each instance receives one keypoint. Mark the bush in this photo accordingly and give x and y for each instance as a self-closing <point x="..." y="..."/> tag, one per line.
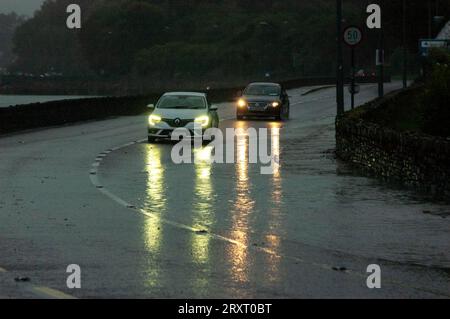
<point x="437" y="95"/>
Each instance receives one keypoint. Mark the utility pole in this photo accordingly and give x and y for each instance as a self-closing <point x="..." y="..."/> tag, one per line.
<point x="340" y="61"/>
<point x="353" y="77"/>
<point x="430" y="26"/>
<point x="405" y="55"/>
<point x="380" y="62"/>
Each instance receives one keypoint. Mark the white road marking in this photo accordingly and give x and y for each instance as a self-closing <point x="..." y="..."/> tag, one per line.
<point x="46" y="292"/>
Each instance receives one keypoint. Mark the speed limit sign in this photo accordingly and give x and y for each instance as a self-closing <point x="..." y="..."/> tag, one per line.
<point x="352" y="36"/>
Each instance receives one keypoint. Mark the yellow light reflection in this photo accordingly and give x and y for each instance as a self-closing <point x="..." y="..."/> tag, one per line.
<point x="155" y="202"/>
<point x="238" y="255"/>
<point x="275" y="140"/>
<point x="203" y="210"/>
<point x="272" y="240"/>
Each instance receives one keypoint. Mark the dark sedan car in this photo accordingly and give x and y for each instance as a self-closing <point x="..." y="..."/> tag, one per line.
<point x="263" y="100"/>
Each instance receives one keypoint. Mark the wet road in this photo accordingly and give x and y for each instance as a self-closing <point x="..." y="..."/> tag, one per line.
<point x="212" y="230"/>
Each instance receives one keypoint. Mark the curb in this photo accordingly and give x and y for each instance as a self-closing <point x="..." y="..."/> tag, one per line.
<point x="318" y="89"/>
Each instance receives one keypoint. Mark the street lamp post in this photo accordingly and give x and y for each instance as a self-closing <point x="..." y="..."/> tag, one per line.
<point x="340" y="61"/>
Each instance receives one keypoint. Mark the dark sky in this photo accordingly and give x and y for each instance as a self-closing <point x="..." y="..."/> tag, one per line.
<point x="26" y="7"/>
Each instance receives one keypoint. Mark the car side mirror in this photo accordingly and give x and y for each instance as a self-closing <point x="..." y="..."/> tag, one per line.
<point x="213" y="108"/>
<point x="151" y="106"/>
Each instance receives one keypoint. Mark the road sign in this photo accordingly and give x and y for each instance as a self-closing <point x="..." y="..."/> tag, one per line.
<point x="353" y="36"/>
<point x="426" y="44"/>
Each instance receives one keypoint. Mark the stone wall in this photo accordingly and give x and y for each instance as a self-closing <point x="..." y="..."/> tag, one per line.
<point x="36" y="115"/>
<point x="13" y="84"/>
<point x="413" y="159"/>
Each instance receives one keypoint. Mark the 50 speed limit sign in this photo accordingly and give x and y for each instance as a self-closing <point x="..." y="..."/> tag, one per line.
<point x="353" y="36"/>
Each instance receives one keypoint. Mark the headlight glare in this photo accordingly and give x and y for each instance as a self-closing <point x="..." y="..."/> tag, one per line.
<point x="154" y="119"/>
<point x="275" y="104"/>
<point x="202" y="120"/>
<point x="242" y="103"/>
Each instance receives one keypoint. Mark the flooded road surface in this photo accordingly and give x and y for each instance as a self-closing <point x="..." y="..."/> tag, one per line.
<point x="209" y="230"/>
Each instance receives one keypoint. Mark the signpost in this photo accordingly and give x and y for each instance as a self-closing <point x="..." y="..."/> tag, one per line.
<point x="352" y="37"/>
<point x="340" y="62"/>
<point x="426" y="44"/>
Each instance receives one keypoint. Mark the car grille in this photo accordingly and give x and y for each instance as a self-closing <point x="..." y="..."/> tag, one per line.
<point x="257" y="104"/>
<point x="182" y="123"/>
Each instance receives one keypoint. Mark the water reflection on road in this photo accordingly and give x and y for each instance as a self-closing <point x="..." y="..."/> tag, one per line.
<point x="205" y="203"/>
<point x="155" y="202"/>
<point x="273" y="235"/>
<point x="313" y="208"/>
<point x="243" y="207"/>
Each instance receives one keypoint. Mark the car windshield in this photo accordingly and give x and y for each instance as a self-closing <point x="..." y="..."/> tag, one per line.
<point x="182" y="102"/>
<point x="263" y="89"/>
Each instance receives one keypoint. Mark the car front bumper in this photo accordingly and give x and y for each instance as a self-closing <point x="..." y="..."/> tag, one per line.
<point x="267" y="111"/>
<point x="166" y="132"/>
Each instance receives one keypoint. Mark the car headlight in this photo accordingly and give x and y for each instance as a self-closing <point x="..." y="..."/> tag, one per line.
<point x="154" y="119"/>
<point x="242" y="103"/>
<point x="275" y="104"/>
<point x="202" y="120"/>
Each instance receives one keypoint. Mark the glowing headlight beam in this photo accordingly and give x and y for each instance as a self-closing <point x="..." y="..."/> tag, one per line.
<point x="242" y="103"/>
<point x="154" y="119"/>
<point x="202" y="120"/>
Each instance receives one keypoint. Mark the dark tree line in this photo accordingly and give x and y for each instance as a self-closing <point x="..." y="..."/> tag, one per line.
<point x="214" y="39"/>
<point x="8" y="24"/>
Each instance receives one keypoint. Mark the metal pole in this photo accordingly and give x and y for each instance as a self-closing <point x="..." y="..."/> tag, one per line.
<point x="340" y="61"/>
<point x="430" y="31"/>
<point x="353" y="78"/>
<point x="381" y="65"/>
<point x="405" y="55"/>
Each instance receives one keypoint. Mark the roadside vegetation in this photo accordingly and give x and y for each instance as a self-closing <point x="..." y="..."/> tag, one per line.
<point x="423" y="109"/>
<point x="8" y="24"/>
<point x="198" y="40"/>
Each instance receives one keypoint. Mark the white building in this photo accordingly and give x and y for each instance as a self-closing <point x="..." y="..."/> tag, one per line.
<point x="445" y="33"/>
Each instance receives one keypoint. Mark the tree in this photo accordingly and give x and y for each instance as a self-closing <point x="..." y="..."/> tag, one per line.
<point x="8" y="25"/>
<point x="117" y="31"/>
